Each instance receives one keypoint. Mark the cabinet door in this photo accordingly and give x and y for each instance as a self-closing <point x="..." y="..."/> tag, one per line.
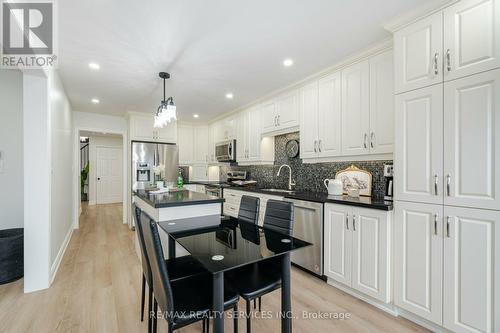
<point x="371" y="252"/>
<point x="471" y="268"/>
<point x="185" y="144"/>
<point x="338" y="243"/>
<point x="200" y="144"/>
<point x="254" y="135"/>
<point x="309" y="120"/>
<point x="418" y="54"/>
<point x="211" y="143"/>
<point x="382" y="104"/>
<point x="142" y="128"/>
<point x="418" y="259"/>
<point x="242" y="137"/>
<point x="471" y="37"/>
<point x="268" y="116"/>
<point x="418" y="158"/>
<point x="168" y="133"/>
<point x="330" y="115"/>
<point x="287" y="110"/>
<point x="355" y="109"/>
<point x="472" y="141"/>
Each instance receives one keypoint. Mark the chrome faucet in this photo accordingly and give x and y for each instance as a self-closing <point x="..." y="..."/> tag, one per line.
<point x="290" y="182"/>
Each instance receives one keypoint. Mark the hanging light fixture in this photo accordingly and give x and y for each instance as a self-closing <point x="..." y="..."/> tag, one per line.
<point x="166" y="112"/>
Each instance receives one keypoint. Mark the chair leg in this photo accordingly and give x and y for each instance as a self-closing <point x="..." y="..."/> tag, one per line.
<point x="203" y="325"/>
<point x="150" y="306"/>
<point x="255" y="303"/>
<point x="235" y="318"/>
<point x="249" y="328"/>
<point x="155" y="320"/>
<point x="143" y="296"/>
<point x="260" y="304"/>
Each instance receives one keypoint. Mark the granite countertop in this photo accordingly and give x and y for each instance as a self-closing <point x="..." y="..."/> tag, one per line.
<point x="179" y="198"/>
<point x="367" y="202"/>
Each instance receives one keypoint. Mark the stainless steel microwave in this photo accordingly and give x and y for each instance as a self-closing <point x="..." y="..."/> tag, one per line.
<point x="225" y="151"/>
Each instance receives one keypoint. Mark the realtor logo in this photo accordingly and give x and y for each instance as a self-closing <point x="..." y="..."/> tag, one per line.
<point x="28" y="34"/>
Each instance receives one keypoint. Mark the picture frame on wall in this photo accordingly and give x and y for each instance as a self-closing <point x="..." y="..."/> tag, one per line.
<point x="354" y="176"/>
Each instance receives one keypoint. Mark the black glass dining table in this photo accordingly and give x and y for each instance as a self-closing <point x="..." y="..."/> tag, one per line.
<point x="230" y="245"/>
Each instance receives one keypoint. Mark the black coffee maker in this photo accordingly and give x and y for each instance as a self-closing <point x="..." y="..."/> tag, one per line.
<point x="389" y="181"/>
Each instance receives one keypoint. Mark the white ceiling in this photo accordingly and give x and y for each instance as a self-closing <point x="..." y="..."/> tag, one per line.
<point x="209" y="47"/>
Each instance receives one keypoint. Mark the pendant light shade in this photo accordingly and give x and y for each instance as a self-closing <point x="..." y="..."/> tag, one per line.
<point x="166" y="112"/>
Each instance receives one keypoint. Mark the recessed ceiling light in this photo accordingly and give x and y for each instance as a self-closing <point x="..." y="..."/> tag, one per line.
<point x="196" y="116"/>
<point x="229" y="96"/>
<point x="95" y="100"/>
<point x="94" y="66"/>
<point x="287" y="62"/>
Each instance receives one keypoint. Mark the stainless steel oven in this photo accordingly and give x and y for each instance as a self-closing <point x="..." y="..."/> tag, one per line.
<point x="225" y="151"/>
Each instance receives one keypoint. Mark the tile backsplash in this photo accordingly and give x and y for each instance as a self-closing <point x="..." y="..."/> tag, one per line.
<point x="308" y="177"/>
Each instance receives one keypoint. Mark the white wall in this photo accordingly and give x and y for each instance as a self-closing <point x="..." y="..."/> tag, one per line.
<point x="94" y="142"/>
<point x="61" y="125"/>
<point x="11" y="147"/>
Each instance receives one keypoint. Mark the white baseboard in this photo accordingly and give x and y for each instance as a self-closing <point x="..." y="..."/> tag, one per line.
<point x="423" y="322"/>
<point x="91" y="203"/>
<point x="60" y="255"/>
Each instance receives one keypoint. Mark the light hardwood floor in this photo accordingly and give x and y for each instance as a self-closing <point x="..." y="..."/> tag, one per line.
<point x="97" y="289"/>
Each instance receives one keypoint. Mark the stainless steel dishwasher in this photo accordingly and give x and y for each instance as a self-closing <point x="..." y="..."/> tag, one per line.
<point x="308" y="225"/>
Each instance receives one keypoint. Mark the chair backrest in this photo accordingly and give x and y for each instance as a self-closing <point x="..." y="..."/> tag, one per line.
<point x="249" y="209"/>
<point x="279" y="216"/>
<point x="161" y="282"/>
<point x="146" y="267"/>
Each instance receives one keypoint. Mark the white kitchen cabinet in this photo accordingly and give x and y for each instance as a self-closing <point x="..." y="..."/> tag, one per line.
<point x="268" y="116"/>
<point x="418" y="54"/>
<point x="418" y="159"/>
<point x="309" y="120"/>
<point x="356" y="109"/>
<point x="471" y="37"/>
<point x="418" y="259"/>
<point x="142" y="129"/>
<point x="329" y="116"/>
<point x="471" y="270"/>
<point x="242" y="139"/>
<point x="200" y="142"/>
<point x="381" y="103"/>
<point x="472" y="141"/>
<point x="254" y="140"/>
<point x="281" y="114"/>
<point x="212" y="139"/>
<point x="357" y="249"/>
<point x="185" y="144"/>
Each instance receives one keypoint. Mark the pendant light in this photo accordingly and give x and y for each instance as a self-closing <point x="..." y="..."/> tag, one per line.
<point x="166" y="112"/>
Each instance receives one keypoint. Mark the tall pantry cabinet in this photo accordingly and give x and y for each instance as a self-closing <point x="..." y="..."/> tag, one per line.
<point x="447" y="167"/>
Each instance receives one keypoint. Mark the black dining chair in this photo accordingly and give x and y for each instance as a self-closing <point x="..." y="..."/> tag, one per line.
<point x="249" y="209"/>
<point x="182" y="301"/>
<point x="255" y="281"/>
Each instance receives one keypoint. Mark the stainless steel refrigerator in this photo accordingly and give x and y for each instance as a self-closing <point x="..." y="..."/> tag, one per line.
<point x="152" y="162"/>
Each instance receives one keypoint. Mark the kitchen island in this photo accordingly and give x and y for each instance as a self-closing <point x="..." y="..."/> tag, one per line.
<point x="179" y="205"/>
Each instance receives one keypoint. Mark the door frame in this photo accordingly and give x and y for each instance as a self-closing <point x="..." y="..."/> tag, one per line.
<point x="76" y="171"/>
<point x="95" y="175"/>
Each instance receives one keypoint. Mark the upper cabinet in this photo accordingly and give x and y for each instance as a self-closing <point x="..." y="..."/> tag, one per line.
<point x="460" y="40"/>
<point x="185" y="144"/>
<point x="200" y="149"/>
<point x="251" y="147"/>
<point x="193" y="144"/>
<point x="281" y="115"/>
<point x="142" y="129"/>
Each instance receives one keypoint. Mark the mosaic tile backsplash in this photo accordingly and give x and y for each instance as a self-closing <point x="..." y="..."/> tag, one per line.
<point x="308" y="177"/>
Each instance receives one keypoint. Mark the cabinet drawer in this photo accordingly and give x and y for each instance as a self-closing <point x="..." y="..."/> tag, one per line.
<point x="231" y="209"/>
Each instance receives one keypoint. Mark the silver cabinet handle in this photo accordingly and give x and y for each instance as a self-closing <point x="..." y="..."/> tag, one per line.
<point x="275" y="121"/>
<point x="436" y="63"/>
<point x="448" y="181"/>
<point x="372" y="139"/>
<point x="364" y="141"/>
<point x="354" y="222"/>
<point x="279" y="120"/>
<point x="448" y="226"/>
<point x="319" y="145"/>
<point x="315" y="146"/>
<point x="435" y="224"/>
<point x="448" y="60"/>
<point x="347" y="221"/>
<point x="436" y="184"/>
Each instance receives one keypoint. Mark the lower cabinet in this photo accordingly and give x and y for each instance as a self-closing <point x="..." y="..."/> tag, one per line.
<point x="357" y="249"/>
<point x="446" y="265"/>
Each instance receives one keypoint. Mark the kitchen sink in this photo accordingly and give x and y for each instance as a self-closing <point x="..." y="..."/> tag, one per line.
<point x="278" y="190"/>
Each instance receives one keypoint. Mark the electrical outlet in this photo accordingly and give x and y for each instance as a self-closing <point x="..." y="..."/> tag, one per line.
<point x="388" y="170"/>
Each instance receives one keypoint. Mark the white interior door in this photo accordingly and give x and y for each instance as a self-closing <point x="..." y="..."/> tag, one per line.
<point x="356" y="109"/>
<point x="471" y="270"/>
<point x="370" y="253"/>
<point x="338" y="243"/>
<point x="418" y="54"/>
<point x="471" y="37"/>
<point x="109" y="169"/>
<point x="418" y="158"/>
<point x="330" y="115"/>
<point x="472" y="141"/>
<point x="418" y="259"/>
